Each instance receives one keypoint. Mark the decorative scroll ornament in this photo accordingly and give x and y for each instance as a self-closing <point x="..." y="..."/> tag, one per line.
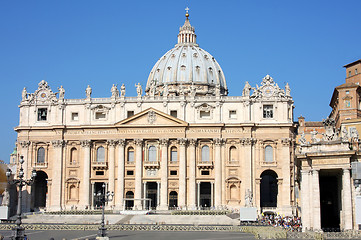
<point x="268" y="89"/>
<point x="43" y="95"/>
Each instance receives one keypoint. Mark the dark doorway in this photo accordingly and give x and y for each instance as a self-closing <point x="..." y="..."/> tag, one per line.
<point x="205" y="194"/>
<point x="152" y="194"/>
<point x="269" y="189"/>
<point x="129" y="204"/>
<point x="98" y="188"/>
<point x="173" y="199"/>
<point x="40" y="189"/>
<point x="330" y="194"/>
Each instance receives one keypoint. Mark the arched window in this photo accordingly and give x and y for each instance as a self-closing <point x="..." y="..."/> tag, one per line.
<point x="73" y="156"/>
<point x="41" y="155"/>
<point x="173" y="199"/>
<point x="173" y="154"/>
<point x="205" y="153"/>
<point x="129" y="203"/>
<point x="130" y="154"/>
<point x="268" y="153"/>
<point x="100" y="154"/>
<point x="152" y="153"/>
<point x="233" y="154"/>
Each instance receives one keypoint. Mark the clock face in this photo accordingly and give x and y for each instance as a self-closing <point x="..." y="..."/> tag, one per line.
<point x="268" y="91"/>
<point x="42" y="95"/>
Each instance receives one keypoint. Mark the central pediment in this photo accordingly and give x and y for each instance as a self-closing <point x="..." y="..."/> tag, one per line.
<point x="152" y="117"/>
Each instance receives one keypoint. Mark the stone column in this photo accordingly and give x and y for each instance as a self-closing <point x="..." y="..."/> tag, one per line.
<point x="286" y="185"/>
<point x="316" y="211"/>
<point x="138" y="174"/>
<point x="86" y="144"/>
<point x="119" y="193"/>
<point x="159" y="186"/>
<point x="145" y="195"/>
<point x="198" y="194"/>
<point x="111" y="171"/>
<point x="305" y="200"/>
<point x="218" y="174"/>
<point x="247" y="165"/>
<point x="57" y="174"/>
<point x="182" y="195"/>
<point x="92" y="195"/>
<point x="192" y="173"/>
<point x="163" y="204"/>
<point x="212" y="194"/>
<point x="26" y="165"/>
<point x="346" y="200"/>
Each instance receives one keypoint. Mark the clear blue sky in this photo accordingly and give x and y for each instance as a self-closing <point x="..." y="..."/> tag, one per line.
<point x="81" y="42"/>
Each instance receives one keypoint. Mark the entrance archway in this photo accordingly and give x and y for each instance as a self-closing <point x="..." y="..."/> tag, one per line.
<point x="330" y="199"/>
<point x="173" y="199"/>
<point x="129" y="204"/>
<point x="152" y="193"/>
<point x="39" y="190"/>
<point x="205" y="194"/>
<point x="269" y="189"/>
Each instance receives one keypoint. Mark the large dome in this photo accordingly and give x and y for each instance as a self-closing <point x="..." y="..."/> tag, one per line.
<point x="186" y="69"/>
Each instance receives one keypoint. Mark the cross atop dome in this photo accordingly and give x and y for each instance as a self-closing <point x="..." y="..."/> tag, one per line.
<point x="186" y="32"/>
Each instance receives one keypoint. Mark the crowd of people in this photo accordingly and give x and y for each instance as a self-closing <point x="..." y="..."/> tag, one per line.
<point x="291" y="223"/>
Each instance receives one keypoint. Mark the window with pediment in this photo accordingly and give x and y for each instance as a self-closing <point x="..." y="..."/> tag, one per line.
<point x="205" y="153"/>
<point x="100" y="154"/>
<point x="268" y="153"/>
<point x="40" y="158"/>
<point x="130" y="157"/>
<point x="173" y="154"/>
<point x="152" y="154"/>
<point x="73" y="156"/>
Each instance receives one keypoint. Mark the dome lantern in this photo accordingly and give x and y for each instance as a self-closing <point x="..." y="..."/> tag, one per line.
<point x="186" y="69"/>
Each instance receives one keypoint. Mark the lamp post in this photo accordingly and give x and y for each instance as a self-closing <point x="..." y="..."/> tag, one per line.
<point x="103" y="197"/>
<point x="19" y="231"/>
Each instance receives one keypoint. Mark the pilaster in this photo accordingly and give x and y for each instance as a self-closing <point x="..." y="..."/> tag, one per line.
<point x="182" y="196"/>
<point x="57" y="174"/>
<point x="119" y="194"/>
<point x="138" y="173"/>
<point x="86" y="144"/>
<point x="164" y="175"/>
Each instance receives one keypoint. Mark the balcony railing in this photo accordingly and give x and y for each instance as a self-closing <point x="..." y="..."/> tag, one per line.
<point x="99" y="165"/>
<point x="151" y="164"/>
<point x="205" y="164"/>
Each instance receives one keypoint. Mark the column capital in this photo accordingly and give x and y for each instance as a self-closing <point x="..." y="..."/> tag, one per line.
<point x="315" y="171"/>
<point x="138" y="142"/>
<point x="163" y="141"/>
<point x="121" y="142"/>
<point x="218" y="141"/>
<point x="346" y="170"/>
<point x="86" y="143"/>
<point x="58" y="143"/>
<point x="24" y="144"/>
<point x="286" y="141"/>
<point x="247" y="141"/>
<point x="192" y="141"/>
<point x="112" y="142"/>
<point x="182" y="141"/>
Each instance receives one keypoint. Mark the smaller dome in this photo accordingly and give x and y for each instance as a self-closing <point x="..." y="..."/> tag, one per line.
<point x="186" y="69"/>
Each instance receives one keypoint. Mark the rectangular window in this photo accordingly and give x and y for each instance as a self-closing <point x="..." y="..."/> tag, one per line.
<point x="99" y="173"/>
<point x="42" y="114"/>
<point x="130" y="114"/>
<point x="205" y="173"/>
<point x="347" y="92"/>
<point x="74" y="116"/>
<point x="173" y="173"/>
<point x="205" y="114"/>
<point x="356" y="71"/>
<point x="130" y="172"/>
<point x="232" y="114"/>
<point x="173" y="156"/>
<point x="174" y="113"/>
<point x="100" y="115"/>
<point x="267" y="111"/>
<point x="349" y="73"/>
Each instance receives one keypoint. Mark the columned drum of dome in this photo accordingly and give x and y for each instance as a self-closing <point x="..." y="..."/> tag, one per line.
<point x="186" y="69"/>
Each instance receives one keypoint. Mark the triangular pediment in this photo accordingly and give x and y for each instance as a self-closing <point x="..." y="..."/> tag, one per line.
<point x="151" y="117"/>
